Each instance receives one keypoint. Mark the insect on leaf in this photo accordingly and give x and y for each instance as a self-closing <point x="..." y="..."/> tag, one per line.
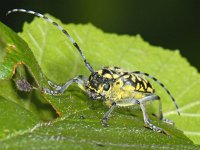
<point x="79" y="124"/>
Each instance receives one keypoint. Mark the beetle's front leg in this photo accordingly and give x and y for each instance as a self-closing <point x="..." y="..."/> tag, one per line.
<point x="80" y="80"/>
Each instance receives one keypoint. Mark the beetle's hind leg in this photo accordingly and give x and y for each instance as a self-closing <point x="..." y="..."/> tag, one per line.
<point x="160" y="113"/>
<point x="145" y="115"/>
<point x="167" y="120"/>
<point x="80" y="80"/>
<point x="160" y="116"/>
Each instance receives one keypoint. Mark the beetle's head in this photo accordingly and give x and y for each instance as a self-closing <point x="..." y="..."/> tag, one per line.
<point x="99" y="84"/>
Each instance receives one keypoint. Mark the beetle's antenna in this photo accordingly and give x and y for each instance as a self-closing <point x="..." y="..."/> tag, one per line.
<point x="162" y="85"/>
<point x="89" y="67"/>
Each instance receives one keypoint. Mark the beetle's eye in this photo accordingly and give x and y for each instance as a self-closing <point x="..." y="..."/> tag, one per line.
<point x="99" y="78"/>
<point x="106" y="87"/>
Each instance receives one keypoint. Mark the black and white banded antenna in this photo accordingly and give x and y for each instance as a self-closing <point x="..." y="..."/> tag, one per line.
<point x="89" y="67"/>
<point x="162" y="85"/>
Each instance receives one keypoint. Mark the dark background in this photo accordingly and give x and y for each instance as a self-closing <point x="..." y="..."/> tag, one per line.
<point x="173" y="24"/>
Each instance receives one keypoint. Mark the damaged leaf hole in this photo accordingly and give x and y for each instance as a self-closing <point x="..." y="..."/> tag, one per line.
<point x="23" y="79"/>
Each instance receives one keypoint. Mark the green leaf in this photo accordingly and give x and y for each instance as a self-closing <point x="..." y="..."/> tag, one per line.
<point x="79" y="125"/>
<point x="9" y="111"/>
<point x="19" y="110"/>
<point x="60" y="62"/>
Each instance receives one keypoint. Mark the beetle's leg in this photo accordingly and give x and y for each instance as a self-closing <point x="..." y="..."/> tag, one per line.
<point x="132" y="101"/>
<point x="54" y="86"/>
<point x="160" y="113"/>
<point x="80" y="80"/>
<point x="123" y="102"/>
<point x="145" y="115"/>
<point x="146" y="119"/>
<point x="160" y="117"/>
<point x="105" y="117"/>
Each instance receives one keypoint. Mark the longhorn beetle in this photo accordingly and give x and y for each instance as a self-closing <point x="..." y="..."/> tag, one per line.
<point x="111" y="84"/>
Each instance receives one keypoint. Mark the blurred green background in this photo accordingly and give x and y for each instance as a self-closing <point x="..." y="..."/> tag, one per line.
<point x="173" y="24"/>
